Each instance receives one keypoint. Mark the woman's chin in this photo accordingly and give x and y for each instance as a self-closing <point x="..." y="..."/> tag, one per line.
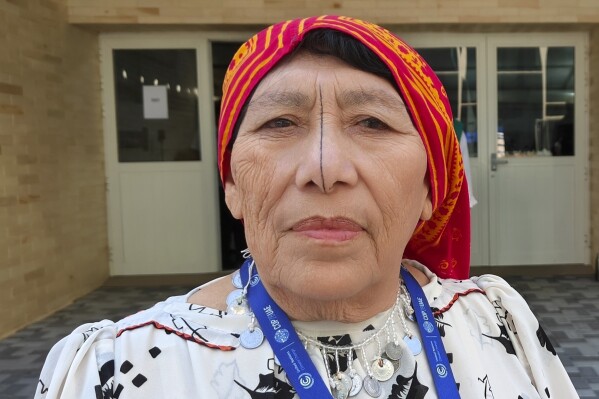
<point x="337" y="294"/>
<point x="331" y="282"/>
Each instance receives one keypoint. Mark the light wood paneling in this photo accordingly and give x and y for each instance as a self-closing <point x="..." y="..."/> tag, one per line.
<point x="594" y="139"/>
<point x="379" y="11"/>
<point x="52" y="197"/>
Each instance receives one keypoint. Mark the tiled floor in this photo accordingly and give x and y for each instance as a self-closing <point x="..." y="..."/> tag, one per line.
<point x="568" y="308"/>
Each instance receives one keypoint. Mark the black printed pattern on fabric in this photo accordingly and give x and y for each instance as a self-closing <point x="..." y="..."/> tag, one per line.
<point x="269" y="387"/>
<point x="87" y="333"/>
<point x="339" y="340"/>
<point x="43" y="387"/>
<point x="104" y="390"/>
<point x="196" y="331"/>
<point x="486" y="387"/>
<point x="180" y="323"/>
<point x="450" y="358"/>
<point x="408" y="387"/>
<point x="206" y="310"/>
<point x="439" y="319"/>
<point x="544" y="341"/>
<point x="503" y="338"/>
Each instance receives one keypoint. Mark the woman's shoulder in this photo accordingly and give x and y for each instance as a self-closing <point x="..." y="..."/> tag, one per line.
<point x="185" y="315"/>
<point x="490" y="286"/>
<point x="175" y="314"/>
<point x="91" y="349"/>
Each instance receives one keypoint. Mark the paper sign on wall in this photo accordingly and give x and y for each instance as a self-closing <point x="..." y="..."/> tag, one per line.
<point x="155" y="102"/>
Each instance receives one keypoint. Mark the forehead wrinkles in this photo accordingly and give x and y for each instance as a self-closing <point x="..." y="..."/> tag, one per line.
<point x="286" y="98"/>
<point x="347" y="98"/>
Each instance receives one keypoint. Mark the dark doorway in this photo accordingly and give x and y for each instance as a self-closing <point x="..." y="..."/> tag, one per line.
<point x="232" y="237"/>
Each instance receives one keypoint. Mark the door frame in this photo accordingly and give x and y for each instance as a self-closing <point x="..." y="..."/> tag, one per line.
<point x="479" y="165"/>
<point x="200" y="41"/>
<point x="578" y="40"/>
<point x="483" y="233"/>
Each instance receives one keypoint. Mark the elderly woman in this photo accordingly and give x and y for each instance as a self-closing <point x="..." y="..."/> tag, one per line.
<point x="337" y="152"/>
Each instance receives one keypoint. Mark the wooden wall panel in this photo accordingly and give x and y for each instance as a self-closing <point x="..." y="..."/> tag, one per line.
<point x="594" y="140"/>
<point x="53" y="243"/>
<point x="380" y="11"/>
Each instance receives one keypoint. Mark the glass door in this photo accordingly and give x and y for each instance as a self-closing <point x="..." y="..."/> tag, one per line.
<point x="519" y="100"/>
<point x="156" y="99"/>
<point x="459" y="62"/>
<point x="537" y="154"/>
<point x="160" y="154"/>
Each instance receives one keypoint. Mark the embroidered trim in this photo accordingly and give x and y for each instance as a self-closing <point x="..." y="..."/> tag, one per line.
<point x="178" y="333"/>
<point x="456" y="297"/>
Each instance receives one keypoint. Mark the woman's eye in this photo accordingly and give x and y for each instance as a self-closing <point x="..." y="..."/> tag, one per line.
<point x="373" y="123"/>
<point x="278" y="123"/>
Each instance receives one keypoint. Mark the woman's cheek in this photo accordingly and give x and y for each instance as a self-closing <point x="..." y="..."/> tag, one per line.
<point x="254" y="176"/>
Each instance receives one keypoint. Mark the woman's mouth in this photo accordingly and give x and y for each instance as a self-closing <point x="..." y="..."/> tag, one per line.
<point x="328" y="229"/>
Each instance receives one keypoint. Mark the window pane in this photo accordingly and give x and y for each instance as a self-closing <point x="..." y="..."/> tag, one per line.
<point x="156" y="105"/>
<point x="518" y="59"/>
<point x="456" y="68"/>
<point x="535" y="92"/>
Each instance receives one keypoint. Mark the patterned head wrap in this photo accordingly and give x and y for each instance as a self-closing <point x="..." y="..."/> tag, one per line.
<point x="441" y="243"/>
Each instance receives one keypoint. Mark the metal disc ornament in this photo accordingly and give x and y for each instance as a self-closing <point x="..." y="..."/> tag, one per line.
<point x="409" y="312"/>
<point x="237" y="280"/>
<point x="393" y="351"/>
<point x="342" y="385"/>
<point x="372" y="387"/>
<point x="413" y="344"/>
<point x="396" y="364"/>
<point x="382" y="369"/>
<point x="251" y="339"/>
<point x="238" y="307"/>
<point x="233" y="295"/>
<point x="356" y="384"/>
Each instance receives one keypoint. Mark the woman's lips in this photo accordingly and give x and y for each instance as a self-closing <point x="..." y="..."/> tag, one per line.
<point x="328" y="229"/>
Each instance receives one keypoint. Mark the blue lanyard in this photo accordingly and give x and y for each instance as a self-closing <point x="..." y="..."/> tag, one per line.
<point x="283" y="339"/>
<point x="435" y="351"/>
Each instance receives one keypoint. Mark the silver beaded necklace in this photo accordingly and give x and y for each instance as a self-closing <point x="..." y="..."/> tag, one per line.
<point x="347" y="383"/>
<point x="378" y="369"/>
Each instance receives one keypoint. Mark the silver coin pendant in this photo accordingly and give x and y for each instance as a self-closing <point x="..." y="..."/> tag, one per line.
<point x="237" y="280"/>
<point x="393" y="351"/>
<point x="233" y="296"/>
<point x="342" y="385"/>
<point x="356" y="384"/>
<point x="396" y="364"/>
<point x="372" y="387"/>
<point x="413" y="344"/>
<point x="251" y="339"/>
<point x="238" y="308"/>
<point x="382" y="369"/>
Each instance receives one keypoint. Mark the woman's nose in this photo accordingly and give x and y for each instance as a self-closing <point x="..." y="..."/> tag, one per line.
<point x="327" y="162"/>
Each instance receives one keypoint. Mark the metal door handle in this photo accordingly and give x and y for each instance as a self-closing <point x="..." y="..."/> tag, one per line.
<point x="496" y="161"/>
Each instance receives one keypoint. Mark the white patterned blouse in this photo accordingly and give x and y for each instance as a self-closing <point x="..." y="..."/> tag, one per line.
<point x="180" y="350"/>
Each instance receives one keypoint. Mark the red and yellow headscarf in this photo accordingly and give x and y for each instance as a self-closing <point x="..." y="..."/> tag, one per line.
<point x="441" y="243"/>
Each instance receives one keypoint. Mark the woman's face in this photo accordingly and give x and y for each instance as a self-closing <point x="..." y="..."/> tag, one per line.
<point x="328" y="174"/>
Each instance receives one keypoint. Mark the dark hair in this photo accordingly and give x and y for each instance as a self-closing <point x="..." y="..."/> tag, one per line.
<point x="335" y="44"/>
<point x="347" y="49"/>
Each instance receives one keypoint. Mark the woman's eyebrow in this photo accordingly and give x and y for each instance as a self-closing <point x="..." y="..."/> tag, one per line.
<point x="354" y="98"/>
<point x="281" y="98"/>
